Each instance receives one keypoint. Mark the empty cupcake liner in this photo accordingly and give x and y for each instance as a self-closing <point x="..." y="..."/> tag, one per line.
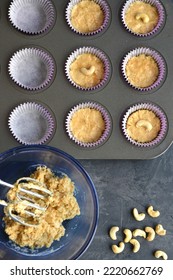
<point x="31" y="68"/>
<point x="96" y="52"/>
<point x="31" y="123"/>
<point x="103" y="5"/>
<point x="159" y="113"/>
<point x="106" y="116"/>
<point x="32" y="17"/>
<point x="156" y="56"/>
<point x="161" y="13"/>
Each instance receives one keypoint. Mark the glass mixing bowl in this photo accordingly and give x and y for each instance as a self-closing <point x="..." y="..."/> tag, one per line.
<point x="22" y="161"/>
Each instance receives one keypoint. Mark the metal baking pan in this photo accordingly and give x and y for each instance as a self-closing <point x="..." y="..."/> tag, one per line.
<point x="61" y="96"/>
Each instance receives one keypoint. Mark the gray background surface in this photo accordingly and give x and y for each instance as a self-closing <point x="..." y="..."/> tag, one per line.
<point x="122" y="185"/>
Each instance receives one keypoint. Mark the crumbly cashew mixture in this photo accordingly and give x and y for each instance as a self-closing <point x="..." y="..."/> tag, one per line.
<point x="141" y="133"/>
<point x="87" y="16"/>
<point x="62" y="205"/>
<point x="142" y="71"/>
<point x="80" y="70"/>
<point x="87" y="125"/>
<point x="141" y="17"/>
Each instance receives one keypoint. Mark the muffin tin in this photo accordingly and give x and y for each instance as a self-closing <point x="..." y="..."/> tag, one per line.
<point x="60" y="96"/>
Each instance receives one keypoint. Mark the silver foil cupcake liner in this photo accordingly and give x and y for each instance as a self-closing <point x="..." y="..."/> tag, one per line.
<point x="158" y="59"/>
<point x="98" y="53"/>
<point x="31" y="68"/>
<point x="158" y="112"/>
<point x="31" y="123"/>
<point x="161" y="13"/>
<point x="106" y="117"/>
<point x="32" y="17"/>
<point x="104" y="7"/>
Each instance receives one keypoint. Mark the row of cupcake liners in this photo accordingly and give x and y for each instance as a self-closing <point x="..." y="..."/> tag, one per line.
<point x="34" y="123"/>
<point x="41" y="17"/>
<point x="34" y="69"/>
<point x="115" y="124"/>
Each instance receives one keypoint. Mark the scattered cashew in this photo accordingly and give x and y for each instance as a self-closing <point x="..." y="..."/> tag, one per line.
<point x="158" y="254"/>
<point x="152" y="212"/>
<point x="144" y="17"/>
<point x="139" y="232"/>
<point x="118" y="249"/>
<point x="151" y="233"/>
<point x="146" y="124"/>
<point x="160" y="230"/>
<point x="137" y="216"/>
<point x="112" y="232"/>
<point x="88" y="71"/>
<point x="136" y="245"/>
<point x="128" y="234"/>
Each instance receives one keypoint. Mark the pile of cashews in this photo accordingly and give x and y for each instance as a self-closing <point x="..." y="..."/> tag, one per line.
<point x="148" y="233"/>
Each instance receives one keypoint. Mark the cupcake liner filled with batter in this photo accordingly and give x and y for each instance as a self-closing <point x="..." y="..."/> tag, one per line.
<point x="144" y="125"/>
<point x="88" y="68"/>
<point x="31" y="68"/>
<point x="31" y="123"/>
<point x="144" y="69"/>
<point x="143" y="17"/>
<point x="32" y="17"/>
<point x="88" y="124"/>
<point x="87" y="17"/>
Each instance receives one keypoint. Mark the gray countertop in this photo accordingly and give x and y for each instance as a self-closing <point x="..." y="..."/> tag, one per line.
<point x="122" y="185"/>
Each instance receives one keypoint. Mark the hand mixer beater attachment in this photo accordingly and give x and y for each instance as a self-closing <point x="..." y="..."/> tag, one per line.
<point x="30" y="201"/>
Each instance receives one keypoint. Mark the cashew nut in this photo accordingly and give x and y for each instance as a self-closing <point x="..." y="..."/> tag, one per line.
<point x="88" y="71"/>
<point x="139" y="232"/>
<point x="151" y="233"/>
<point x="144" y="17"/>
<point x="128" y="234"/>
<point x="138" y="217"/>
<point x="112" y="232"/>
<point x="146" y="124"/>
<point x="118" y="249"/>
<point x="160" y="230"/>
<point x="152" y="212"/>
<point x="136" y="245"/>
<point x="158" y="254"/>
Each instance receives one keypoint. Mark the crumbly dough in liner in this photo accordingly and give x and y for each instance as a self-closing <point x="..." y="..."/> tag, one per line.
<point x="62" y="205"/>
<point x="87" y="60"/>
<point x="136" y="23"/>
<point x="141" y="134"/>
<point x="87" y="125"/>
<point x="87" y="16"/>
<point x="142" y="70"/>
